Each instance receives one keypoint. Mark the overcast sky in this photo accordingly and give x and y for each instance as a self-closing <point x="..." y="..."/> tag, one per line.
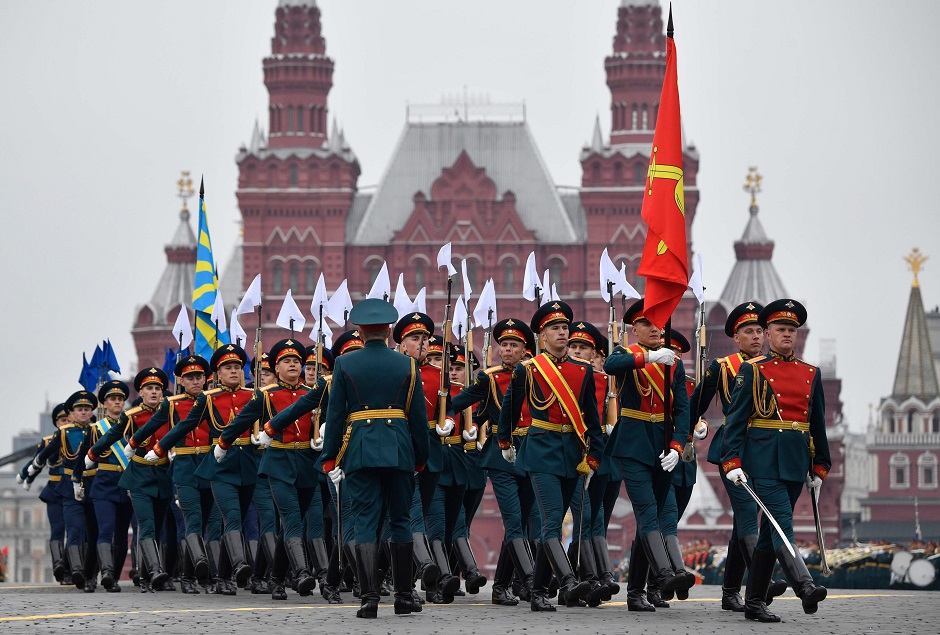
<point x="105" y="102"/>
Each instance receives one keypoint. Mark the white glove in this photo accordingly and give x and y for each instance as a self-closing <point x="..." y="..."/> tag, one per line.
<point x="129" y="451"/>
<point x="78" y="491"/>
<point x="316" y="444"/>
<point x="88" y="462"/>
<point x="19" y="480"/>
<point x="509" y="454"/>
<point x="152" y="456"/>
<point x="336" y="475"/>
<point x="669" y="460"/>
<point x="609" y="429"/>
<point x="701" y="429"/>
<point x="447" y="429"/>
<point x="587" y="479"/>
<point x="27" y="485"/>
<point x="264" y="440"/>
<point x="469" y="435"/>
<point x="813" y="481"/>
<point x="735" y="475"/>
<point x="219" y="452"/>
<point x="34" y="469"/>
<point x="663" y="355"/>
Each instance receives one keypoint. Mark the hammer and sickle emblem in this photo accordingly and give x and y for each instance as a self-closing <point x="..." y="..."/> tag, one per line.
<point x="672" y="173"/>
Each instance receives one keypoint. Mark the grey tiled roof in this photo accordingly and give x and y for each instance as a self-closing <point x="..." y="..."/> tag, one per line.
<point x="506" y="150"/>
<point x="916" y="375"/>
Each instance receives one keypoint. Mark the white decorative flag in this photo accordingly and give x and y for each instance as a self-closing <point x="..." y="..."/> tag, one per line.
<point x="290" y="311"/>
<point x="443" y="260"/>
<point x="382" y="287"/>
<point x="182" y="330"/>
<point x="252" y="297"/>
<point x="340" y="305"/>
<point x="531" y="279"/>
<point x="236" y="331"/>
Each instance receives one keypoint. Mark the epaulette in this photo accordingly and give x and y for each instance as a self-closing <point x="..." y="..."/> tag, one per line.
<point x="134" y="411"/>
<point x="214" y="391"/>
<point x="754" y="360"/>
<point x="493" y="369"/>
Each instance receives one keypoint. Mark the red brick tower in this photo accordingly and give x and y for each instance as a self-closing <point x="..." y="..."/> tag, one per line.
<point x="613" y="174"/>
<point x="296" y="187"/>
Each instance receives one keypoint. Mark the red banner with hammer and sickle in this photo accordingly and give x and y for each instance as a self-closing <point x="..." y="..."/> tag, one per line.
<point x="665" y="256"/>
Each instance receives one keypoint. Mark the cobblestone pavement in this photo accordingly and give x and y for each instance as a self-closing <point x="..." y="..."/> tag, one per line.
<point x="46" y="609"/>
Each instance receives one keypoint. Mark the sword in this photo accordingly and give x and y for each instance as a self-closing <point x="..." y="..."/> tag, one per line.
<point x="820" y="539"/>
<point x="768" y="515"/>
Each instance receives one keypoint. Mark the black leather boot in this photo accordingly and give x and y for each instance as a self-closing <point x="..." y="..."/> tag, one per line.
<point x="427" y="569"/>
<point x="502" y="596"/>
<point x="57" y="551"/>
<point x="541" y="576"/>
<point x="602" y="560"/>
<point x="570" y="590"/>
<point x="734" y="576"/>
<point x="758" y="578"/>
<point x="154" y="564"/>
<point x="468" y="566"/>
<point x="776" y="587"/>
<point x="367" y="561"/>
<point x="77" y="562"/>
<point x="800" y="579"/>
<point x="197" y="554"/>
<point x="188" y="583"/>
<point x="637" y="572"/>
<point x="402" y="561"/>
<point x="661" y="567"/>
<point x="106" y="563"/>
<point x="306" y="583"/>
<point x="674" y="551"/>
<point x="235" y="548"/>
<point x="448" y="583"/>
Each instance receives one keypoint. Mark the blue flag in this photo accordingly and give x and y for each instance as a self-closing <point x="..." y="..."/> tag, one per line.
<point x="205" y="288"/>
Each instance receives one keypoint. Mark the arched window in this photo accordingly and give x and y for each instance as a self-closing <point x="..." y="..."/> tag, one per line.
<point x="927" y="470"/>
<point x="900" y="467"/>
<point x="419" y="275"/>
<point x="310" y="281"/>
<point x="509" y="275"/>
<point x="290" y="119"/>
<point x="293" y="276"/>
<point x="293" y="175"/>
<point x="277" y="278"/>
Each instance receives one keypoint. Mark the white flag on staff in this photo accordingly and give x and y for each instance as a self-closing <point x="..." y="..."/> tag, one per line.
<point x="290" y="311"/>
<point x="182" y="330"/>
<point x="252" y="297"/>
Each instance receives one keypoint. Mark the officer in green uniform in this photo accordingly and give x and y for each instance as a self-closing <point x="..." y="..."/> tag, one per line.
<point x="637" y="445"/>
<point x="288" y="460"/>
<point x="377" y="434"/>
<point x="564" y="442"/>
<point x="743" y="328"/>
<point x="511" y="485"/>
<point x="775" y="437"/>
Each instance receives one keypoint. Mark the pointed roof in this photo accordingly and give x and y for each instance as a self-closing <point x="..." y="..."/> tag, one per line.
<point x="176" y="283"/>
<point x="916" y="375"/>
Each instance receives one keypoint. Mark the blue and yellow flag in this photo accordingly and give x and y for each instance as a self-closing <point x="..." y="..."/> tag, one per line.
<point x="205" y="287"/>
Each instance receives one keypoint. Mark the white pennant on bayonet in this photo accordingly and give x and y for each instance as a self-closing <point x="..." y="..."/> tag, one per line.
<point x="252" y="297"/>
<point x="290" y="311"/>
<point x="530" y="280"/>
<point x="382" y="287"/>
<point x="182" y="329"/>
<point x="444" y="260"/>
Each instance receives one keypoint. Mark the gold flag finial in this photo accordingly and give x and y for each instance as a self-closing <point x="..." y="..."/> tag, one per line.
<point x="915" y="261"/>
<point x="186" y="191"/>
<point x="752" y="184"/>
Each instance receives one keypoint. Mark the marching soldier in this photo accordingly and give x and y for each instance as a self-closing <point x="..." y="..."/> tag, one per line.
<point x="113" y="507"/>
<point x="149" y="483"/>
<point x="69" y="446"/>
<point x="637" y="446"/>
<point x="377" y="435"/>
<point x="775" y="435"/>
<point x="564" y="442"/>
<point x="742" y="326"/>
<point x="287" y="461"/>
<point x="51" y="497"/>
<point x="232" y="482"/>
<point x="511" y="485"/>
